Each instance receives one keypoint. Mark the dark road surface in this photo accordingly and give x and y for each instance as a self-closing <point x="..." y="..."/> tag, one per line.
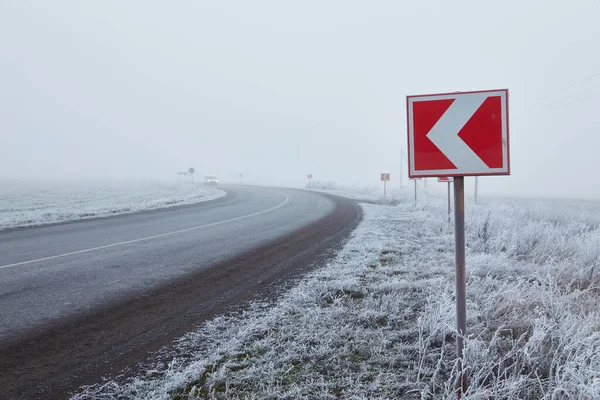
<point x="54" y="271"/>
<point x="83" y="300"/>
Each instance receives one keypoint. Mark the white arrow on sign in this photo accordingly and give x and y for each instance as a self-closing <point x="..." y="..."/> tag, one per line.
<point x="444" y="133"/>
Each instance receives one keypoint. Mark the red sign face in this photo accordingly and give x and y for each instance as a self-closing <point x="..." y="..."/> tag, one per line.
<point x="445" y="179"/>
<point x="458" y="134"/>
<point x="385" y="177"/>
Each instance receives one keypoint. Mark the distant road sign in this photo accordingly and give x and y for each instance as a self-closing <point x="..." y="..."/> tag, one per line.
<point x="458" y="134"/>
<point x="191" y="171"/>
<point x="385" y="176"/>
<point x="309" y="176"/>
<point x="446" y="179"/>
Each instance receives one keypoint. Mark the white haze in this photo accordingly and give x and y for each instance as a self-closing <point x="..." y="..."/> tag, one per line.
<point x="276" y="90"/>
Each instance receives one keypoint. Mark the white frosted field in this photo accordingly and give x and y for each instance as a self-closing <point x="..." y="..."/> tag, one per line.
<point x="38" y="203"/>
<point x="378" y="321"/>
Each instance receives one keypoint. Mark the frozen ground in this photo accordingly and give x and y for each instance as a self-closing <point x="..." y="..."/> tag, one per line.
<point x="363" y="193"/>
<point x="38" y="203"/>
<point x="378" y="321"/>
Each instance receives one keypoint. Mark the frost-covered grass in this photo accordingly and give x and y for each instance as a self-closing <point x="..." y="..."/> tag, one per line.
<point x="38" y="203"/>
<point x="368" y="194"/>
<point x="378" y="321"/>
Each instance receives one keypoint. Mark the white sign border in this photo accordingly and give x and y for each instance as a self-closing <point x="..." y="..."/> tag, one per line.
<point x="505" y="170"/>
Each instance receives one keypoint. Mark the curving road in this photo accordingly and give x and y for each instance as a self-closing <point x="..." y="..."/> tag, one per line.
<point x="54" y="271"/>
<point x="82" y="300"/>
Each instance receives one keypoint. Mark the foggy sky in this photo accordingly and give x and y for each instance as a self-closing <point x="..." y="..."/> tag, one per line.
<point x="279" y="89"/>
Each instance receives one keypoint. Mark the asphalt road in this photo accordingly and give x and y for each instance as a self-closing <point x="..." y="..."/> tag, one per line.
<point x="51" y="272"/>
<point x="82" y="300"/>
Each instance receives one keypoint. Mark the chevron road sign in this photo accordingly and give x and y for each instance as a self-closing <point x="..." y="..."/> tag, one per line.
<point x="458" y="134"/>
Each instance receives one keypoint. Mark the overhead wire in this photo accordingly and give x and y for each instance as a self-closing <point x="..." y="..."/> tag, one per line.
<point x="559" y="103"/>
<point x="573" y="95"/>
<point x="578" y="100"/>
<point x="569" y="87"/>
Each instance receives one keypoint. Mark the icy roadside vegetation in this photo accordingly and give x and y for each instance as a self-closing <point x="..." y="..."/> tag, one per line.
<point x="39" y="203"/>
<point x="362" y="193"/>
<point x="378" y="321"/>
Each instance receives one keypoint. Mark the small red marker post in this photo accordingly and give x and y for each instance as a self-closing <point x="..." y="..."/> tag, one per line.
<point x="385" y="177"/>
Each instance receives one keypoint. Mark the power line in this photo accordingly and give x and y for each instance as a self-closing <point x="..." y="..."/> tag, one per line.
<point x="578" y="100"/>
<point x="557" y="106"/>
<point x="557" y="102"/>
<point x="574" y="94"/>
<point x="570" y="86"/>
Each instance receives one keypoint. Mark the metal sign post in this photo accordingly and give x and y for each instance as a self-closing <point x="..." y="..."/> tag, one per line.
<point x="449" y="202"/>
<point x="415" y="192"/>
<point x="184" y="174"/>
<point x="461" y="280"/>
<point x="447" y="179"/>
<point x="476" y="188"/>
<point x="401" y="163"/>
<point x="385" y="176"/>
<point x="456" y="135"/>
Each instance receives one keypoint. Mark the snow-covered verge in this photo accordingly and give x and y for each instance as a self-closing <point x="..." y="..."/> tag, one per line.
<point x="39" y="203"/>
<point x="378" y="321"/>
<point x="365" y="194"/>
